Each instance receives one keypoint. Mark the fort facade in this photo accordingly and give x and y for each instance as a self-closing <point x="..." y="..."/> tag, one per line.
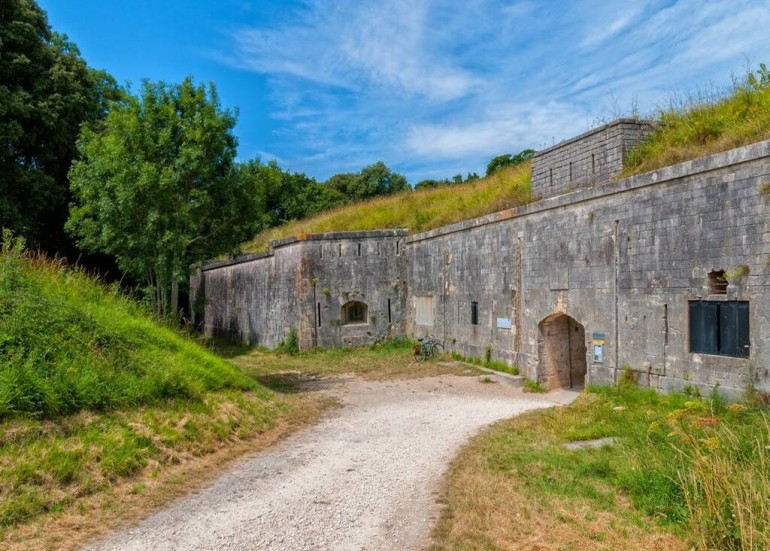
<point x="665" y="274"/>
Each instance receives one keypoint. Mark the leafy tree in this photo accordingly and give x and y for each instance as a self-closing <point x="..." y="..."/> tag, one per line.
<point x="508" y="160"/>
<point x="46" y="93"/>
<point x="156" y="186"/>
<point x="283" y="196"/>
<point x="430" y="184"/>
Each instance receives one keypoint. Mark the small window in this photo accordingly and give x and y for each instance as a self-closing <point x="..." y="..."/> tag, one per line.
<point x="593" y="163"/>
<point x="354" y="312"/>
<point x="423" y="307"/>
<point x="318" y="319"/>
<point x="550" y="176"/>
<point x="359" y="249"/>
<point x="720" y="328"/>
<point x="474" y="313"/>
<point x="717" y="282"/>
<point x="390" y="315"/>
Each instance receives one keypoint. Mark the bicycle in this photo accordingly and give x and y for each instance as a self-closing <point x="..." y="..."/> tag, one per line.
<point x="427" y="349"/>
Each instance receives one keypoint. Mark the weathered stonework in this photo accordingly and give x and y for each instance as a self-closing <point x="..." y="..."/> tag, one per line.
<point x="592" y="158"/>
<point x="577" y="286"/>
<point x="302" y="284"/>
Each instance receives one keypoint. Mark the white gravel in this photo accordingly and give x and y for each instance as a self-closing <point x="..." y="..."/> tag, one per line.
<point x="364" y="478"/>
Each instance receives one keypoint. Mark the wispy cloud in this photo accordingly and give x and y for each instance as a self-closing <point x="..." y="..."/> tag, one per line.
<point x="422" y="84"/>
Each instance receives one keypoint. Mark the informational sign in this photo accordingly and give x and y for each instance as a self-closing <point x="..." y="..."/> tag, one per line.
<point x="504" y="323"/>
<point x="597" y="340"/>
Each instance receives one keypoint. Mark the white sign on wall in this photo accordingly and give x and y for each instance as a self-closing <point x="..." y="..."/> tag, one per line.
<point x="504" y="323"/>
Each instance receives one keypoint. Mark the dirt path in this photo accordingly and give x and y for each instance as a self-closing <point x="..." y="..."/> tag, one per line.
<point x="365" y="478"/>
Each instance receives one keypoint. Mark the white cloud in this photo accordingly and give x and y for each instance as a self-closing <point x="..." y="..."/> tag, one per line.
<point x="413" y="81"/>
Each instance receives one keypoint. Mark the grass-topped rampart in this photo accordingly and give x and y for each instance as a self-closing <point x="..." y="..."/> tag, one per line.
<point x="418" y="211"/>
<point x="697" y="127"/>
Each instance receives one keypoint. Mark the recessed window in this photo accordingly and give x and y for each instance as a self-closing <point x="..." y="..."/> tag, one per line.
<point x="717" y="282"/>
<point x="720" y="328"/>
<point x="318" y="311"/>
<point x="359" y="249"/>
<point x="354" y="312"/>
<point x="423" y="307"/>
<point x="474" y="313"/>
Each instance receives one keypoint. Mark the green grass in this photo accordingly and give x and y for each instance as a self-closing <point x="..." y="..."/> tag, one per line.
<point x="418" y="211"/>
<point x="68" y="343"/>
<point x="94" y="393"/>
<point x="695" y="469"/>
<point x="287" y="372"/>
<point x="489" y="364"/>
<point x="694" y="127"/>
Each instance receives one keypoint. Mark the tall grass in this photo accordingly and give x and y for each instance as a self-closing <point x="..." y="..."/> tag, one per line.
<point x="418" y="211"/>
<point x="692" y="473"/>
<point x="725" y="480"/>
<point x="709" y="123"/>
<point x="68" y="344"/>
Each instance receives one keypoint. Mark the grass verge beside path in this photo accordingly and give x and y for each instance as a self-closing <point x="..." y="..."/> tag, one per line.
<point x="390" y="360"/>
<point x="681" y="473"/>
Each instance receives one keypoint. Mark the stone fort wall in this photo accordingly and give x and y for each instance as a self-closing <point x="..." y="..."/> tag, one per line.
<point x="311" y="284"/>
<point x="648" y="274"/>
<point x="592" y="158"/>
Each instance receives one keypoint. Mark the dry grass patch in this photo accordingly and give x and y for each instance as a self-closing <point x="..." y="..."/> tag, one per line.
<point x="391" y="360"/>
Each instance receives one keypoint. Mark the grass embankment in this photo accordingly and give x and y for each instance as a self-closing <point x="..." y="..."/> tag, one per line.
<point x="697" y="127"/>
<point x="418" y="211"/>
<point x="682" y="472"/>
<point x="98" y="400"/>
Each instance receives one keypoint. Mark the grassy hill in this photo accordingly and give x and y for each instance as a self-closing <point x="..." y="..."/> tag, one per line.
<point x="93" y="393"/>
<point x="692" y="128"/>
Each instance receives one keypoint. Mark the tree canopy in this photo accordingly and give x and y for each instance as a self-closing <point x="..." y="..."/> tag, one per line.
<point x="46" y="92"/>
<point x="373" y="180"/>
<point x="156" y="185"/>
<point x="508" y="160"/>
<point x="283" y="196"/>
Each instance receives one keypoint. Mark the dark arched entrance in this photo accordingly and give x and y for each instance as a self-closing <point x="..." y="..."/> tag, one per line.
<point x="561" y="350"/>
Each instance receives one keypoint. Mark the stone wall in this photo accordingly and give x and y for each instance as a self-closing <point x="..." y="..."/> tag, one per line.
<point x="304" y="284"/>
<point x="622" y="260"/>
<point x="574" y="288"/>
<point x="592" y="158"/>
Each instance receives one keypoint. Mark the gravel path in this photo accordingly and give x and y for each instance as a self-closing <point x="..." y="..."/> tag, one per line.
<point x="364" y="478"/>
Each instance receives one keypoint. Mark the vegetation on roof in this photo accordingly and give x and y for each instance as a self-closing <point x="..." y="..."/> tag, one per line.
<point x="697" y="126"/>
<point x="421" y="210"/>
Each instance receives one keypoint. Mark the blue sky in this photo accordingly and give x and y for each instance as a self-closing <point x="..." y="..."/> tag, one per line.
<point x="431" y="87"/>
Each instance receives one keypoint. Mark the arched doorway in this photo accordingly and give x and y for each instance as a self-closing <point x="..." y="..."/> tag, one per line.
<point x="561" y="350"/>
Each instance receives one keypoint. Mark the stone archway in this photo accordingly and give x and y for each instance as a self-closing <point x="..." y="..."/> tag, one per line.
<point x="561" y="347"/>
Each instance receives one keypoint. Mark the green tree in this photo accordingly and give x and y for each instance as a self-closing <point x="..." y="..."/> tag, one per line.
<point x="156" y="186"/>
<point x="46" y="93"/>
<point x="283" y="196"/>
<point x="375" y="180"/>
<point x="508" y="160"/>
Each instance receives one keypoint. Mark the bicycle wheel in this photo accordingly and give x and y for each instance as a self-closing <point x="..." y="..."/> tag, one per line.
<point x="419" y="353"/>
<point x="437" y="349"/>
